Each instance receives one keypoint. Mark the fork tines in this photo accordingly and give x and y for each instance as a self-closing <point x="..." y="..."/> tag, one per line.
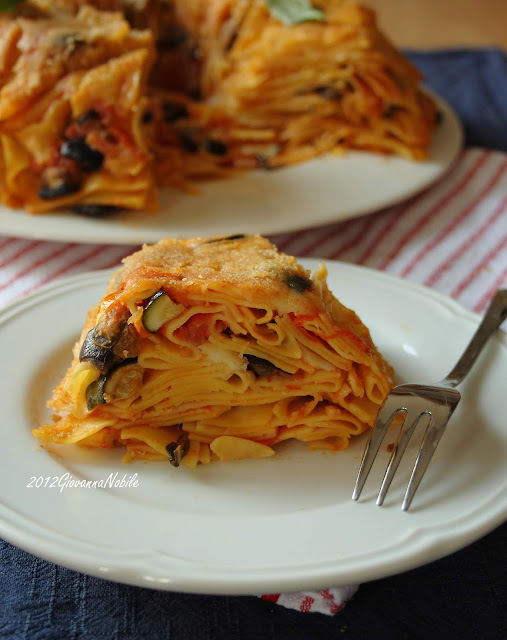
<point x="414" y="404"/>
<point x="433" y="403"/>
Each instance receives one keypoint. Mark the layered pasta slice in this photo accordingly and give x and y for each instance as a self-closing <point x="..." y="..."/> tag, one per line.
<point x="217" y="349"/>
<point x="74" y="130"/>
<point x="275" y="93"/>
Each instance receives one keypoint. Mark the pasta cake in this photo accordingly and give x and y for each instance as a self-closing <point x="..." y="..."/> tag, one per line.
<point x="104" y="101"/>
<point x="277" y="93"/>
<point x="217" y="349"/>
<point x="73" y="131"/>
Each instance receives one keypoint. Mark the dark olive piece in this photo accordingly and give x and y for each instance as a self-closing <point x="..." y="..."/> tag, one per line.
<point x="178" y="450"/>
<point x="188" y="142"/>
<point x="263" y="162"/>
<point x="238" y="236"/>
<point x="48" y="192"/>
<point x="391" y="110"/>
<point x="260" y="367"/>
<point x="297" y="282"/>
<point x="328" y="93"/>
<point x="71" y="40"/>
<point x="173" y="37"/>
<point x="147" y="117"/>
<point x="232" y="41"/>
<point x="88" y="115"/>
<point x="195" y="94"/>
<point x="102" y="357"/>
<point x="173" y="112"/>
<point x="89" y="159"/>
<point x="95" y="393"/>
<point x="195" y="54"/>
<point x="215" y="147"/>
<point x="95" y="210"/>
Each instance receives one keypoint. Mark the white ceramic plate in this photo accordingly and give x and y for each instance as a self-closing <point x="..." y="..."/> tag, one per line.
<point x="285" y="523"/>
<point x="324" y="190"/>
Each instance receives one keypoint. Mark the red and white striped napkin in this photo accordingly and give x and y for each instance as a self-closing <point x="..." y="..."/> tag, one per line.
<point x="327" y="601"/>
<point x="452" y="237"/>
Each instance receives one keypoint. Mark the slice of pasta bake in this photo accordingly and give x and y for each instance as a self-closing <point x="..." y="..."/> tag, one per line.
<point x="73" y="129"/>
<point x="217" y="349"/>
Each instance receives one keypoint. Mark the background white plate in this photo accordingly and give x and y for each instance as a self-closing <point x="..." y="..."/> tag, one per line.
<point x="285" y="523"/>
<point x="324" y="190"/>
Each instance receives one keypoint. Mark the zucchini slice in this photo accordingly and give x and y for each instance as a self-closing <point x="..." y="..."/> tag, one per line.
<point x="159" y="310"/>
<point x="123" y="381"/>
<point x="95" y="393"/>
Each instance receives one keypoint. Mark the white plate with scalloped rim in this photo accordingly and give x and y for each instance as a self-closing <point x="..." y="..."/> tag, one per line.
<point x="321" y="191"/>
<point x="280" y="524"/>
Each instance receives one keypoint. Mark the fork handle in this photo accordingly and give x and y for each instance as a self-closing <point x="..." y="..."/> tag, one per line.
<point x="493" y="318"/>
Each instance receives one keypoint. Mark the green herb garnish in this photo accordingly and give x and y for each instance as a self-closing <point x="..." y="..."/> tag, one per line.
<point x="294" y="11"/>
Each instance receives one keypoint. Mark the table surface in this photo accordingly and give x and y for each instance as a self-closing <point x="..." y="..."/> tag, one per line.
<point x="427" y="24"/>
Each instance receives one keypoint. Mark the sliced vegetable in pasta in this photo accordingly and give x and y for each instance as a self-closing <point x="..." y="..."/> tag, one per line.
<point x="217" y="348"/>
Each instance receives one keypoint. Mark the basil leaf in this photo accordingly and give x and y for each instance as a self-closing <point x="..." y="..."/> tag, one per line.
<point x="294" y="11"/>
<point x="9" y="5"/>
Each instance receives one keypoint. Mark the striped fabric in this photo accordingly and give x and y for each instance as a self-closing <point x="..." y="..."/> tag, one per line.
<point x="452" y="238"/>
<point x="326" y="601"/>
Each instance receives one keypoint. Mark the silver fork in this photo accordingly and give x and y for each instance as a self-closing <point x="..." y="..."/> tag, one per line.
<point x="433" y="403"/>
